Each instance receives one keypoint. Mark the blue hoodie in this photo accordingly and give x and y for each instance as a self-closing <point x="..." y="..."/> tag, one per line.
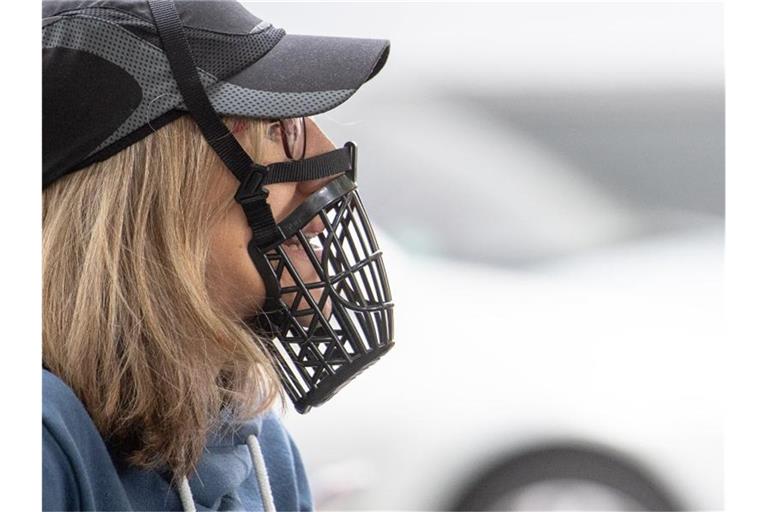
<point x="79" y="474"/>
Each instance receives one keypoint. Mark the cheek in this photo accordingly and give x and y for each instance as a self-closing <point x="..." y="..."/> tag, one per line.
<point x="283" y="199"/>
<point x="233" y="280"/>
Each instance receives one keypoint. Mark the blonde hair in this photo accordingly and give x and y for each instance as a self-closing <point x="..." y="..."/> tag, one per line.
<point x="128" y="322"/>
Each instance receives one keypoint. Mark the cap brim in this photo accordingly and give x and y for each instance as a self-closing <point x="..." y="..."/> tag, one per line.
<point x="300" y="76"/>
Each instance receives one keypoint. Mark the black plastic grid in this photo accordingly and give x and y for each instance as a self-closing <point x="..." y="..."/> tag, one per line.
<point x="322" y="341"/>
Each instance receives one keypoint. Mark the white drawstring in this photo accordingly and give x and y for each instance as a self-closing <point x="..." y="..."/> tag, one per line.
<point x="185" y="493"/>
<point x="262" y="478"/>
<point x="261" y="473"/>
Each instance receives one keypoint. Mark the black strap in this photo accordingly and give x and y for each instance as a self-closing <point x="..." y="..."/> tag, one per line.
<point x="320" y="166"/>
<point x="251" y="196"/>
<point x="196" y="100"/>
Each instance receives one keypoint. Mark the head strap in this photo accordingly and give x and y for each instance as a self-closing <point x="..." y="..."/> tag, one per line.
<point x="177" y="50"/>
<point x="251" y="195"/>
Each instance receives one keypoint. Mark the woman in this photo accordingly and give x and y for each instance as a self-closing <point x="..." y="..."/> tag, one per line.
<point x="193" y="266"/>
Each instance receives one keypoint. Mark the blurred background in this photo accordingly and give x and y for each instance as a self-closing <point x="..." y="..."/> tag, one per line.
<point x="547" y="182"/>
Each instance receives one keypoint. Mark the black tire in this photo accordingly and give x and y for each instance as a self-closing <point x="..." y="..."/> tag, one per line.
<point x="587" y="464"/>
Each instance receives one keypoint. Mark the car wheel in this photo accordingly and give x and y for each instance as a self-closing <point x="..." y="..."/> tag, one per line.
<point x="565" y="478"/>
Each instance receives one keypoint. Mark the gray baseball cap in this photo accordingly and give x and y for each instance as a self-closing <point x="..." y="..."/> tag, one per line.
<point x="107" y="82"/>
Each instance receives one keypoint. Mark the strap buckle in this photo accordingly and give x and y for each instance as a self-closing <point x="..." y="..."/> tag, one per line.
<point x="251" y="188"/>
<point x="252" y="197"/>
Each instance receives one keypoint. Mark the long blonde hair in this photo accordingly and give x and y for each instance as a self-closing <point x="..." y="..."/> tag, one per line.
<point x="128" y="322"/>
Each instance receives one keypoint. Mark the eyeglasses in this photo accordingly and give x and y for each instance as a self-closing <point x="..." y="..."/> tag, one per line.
<point x="293" y="135"/>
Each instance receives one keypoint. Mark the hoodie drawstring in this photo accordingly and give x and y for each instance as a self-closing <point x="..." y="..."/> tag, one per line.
<point x="262" y="478"/>
<point x="185" y="493"/>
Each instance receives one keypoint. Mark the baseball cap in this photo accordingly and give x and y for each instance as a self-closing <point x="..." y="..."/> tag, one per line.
<point x="107" y="81"/>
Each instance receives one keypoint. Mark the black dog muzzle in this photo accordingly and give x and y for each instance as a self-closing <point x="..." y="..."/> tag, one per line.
<point x="329" y="308"/>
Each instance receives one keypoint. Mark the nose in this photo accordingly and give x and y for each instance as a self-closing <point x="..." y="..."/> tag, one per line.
<point x="317" y="141"/>
<point x="317" y="144"/>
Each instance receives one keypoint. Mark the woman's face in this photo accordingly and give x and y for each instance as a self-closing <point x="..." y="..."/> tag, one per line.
<point x="233" y="279"/>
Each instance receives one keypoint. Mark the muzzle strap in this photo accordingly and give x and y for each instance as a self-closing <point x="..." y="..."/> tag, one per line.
<point x="320" y="166"/>
<point x="251" y="195"/>
<point x="179" y="56"/>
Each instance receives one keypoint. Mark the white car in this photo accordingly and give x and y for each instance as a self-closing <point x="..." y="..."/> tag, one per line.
<point x="592" y="384"/>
